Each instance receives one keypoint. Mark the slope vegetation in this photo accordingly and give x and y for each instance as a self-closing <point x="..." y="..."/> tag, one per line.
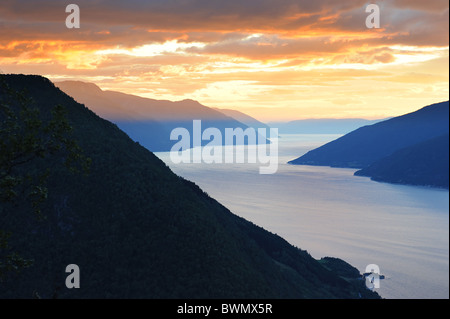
<point x="137" y="230"/>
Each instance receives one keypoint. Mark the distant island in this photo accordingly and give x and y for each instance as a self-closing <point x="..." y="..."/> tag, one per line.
<point x="408" y="149"/>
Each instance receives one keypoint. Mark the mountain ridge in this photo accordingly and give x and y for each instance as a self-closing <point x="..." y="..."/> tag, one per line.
<point x="367" y="144"/>
<point x="138" y="106"/>
<point x="423" y="164"/>
<point x="400" y="150"/>
<point x="137" y="230"/>
<point x="243" y="118"/>
<point x="143" y="119"/>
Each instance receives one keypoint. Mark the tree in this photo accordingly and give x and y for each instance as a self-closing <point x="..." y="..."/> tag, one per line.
<point x="27" y="136"/>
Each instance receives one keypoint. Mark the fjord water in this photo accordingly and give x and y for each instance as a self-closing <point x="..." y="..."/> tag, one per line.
<point x="330" y="212"/>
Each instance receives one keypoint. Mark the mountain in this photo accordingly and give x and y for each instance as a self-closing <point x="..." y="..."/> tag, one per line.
<point x="149" y="121"/>
<point x="425" y="163"/>
<point x="243" y="118"/>
<point x="137" y="230"/>
<point x="321" y="126"/>
<point x="118" y="106"/>
<point x="364" y="146"/>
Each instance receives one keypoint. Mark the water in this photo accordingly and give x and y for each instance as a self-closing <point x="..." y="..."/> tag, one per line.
<point x="330" y="212"/>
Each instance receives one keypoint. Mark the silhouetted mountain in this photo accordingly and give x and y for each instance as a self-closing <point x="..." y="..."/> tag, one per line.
<point x="148" y="121"/>
<point x="364" y="146"/>
<point x="243" y="118"/>
<point x="137" y="230"/>
<point x="321" y="126"/>
<point x="425" y="163"/>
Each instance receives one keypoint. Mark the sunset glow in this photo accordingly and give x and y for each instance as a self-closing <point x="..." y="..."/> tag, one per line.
<point x="275" y="60"/>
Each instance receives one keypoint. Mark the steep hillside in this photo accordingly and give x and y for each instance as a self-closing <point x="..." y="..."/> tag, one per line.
<point x="148" y="121"/>
<point x="362" y="147"/>
<point x="425" y="163"/>
<point x="137" y="230"/>
<point x="243" y="118"/>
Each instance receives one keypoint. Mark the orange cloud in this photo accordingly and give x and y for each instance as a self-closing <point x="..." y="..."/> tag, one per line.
<point x="294" y="55"/>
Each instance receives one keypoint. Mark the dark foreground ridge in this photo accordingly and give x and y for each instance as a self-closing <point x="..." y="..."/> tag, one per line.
<point x="137" y="230"/>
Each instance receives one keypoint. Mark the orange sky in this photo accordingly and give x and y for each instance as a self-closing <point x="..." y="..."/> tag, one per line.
<point x="273" y="59"/>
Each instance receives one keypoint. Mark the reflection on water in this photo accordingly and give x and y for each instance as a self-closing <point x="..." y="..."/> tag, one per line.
<point x="330" y="212"/>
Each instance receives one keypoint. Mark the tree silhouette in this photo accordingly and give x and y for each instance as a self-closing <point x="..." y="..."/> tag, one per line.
<point x="28" y="136"/>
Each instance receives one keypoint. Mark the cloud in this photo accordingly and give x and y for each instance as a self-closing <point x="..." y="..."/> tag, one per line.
<point x="191" y="17"/>
<point x="429" y="5"/>
<point x="269" y="51"/>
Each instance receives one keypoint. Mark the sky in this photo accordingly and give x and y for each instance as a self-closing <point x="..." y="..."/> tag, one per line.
<point x="276" y="60"/>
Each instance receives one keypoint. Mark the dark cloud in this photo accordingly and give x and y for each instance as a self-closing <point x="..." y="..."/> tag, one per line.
<point x="209" y="16"/>
<point x="290" y="28"/>
<point x="422" y="5"/>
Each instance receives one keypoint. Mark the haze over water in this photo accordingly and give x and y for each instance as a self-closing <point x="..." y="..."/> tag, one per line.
<point x="330" y="212"/>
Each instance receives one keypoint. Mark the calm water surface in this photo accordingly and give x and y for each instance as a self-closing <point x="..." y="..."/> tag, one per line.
<point x="330" y="212"/>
